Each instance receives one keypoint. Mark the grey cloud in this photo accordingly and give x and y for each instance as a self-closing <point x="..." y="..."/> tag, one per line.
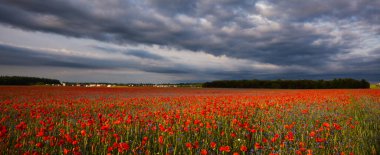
<point x="137" y="53"/>
<point x="20" y="56"/>
<point x="309" y="10"/>
<point x="145" y="55"/>
<point x="11" y="55"/>
<point x="266" y="31"/>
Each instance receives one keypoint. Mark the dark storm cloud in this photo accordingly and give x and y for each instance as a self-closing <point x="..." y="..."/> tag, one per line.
<point x="282" y="33"/>
<point x="10" y="55"/>
<point x="144" y="55"/>
<point x="137" y="53"/>
<point x="307" y="10"/>
<point x="20" y="56"/>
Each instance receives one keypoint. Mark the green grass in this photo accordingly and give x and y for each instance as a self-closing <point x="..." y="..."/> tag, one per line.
<point x="373" y="86"/>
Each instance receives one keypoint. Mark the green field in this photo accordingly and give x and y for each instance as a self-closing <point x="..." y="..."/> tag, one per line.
<point x="373" y="86"/>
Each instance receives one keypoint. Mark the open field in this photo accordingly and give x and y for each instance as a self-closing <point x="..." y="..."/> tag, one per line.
<point x="77" y="120"/>
<point x="374" y="86"/>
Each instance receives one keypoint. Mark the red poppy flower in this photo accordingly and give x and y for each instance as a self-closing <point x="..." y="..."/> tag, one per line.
<point x="257" y="146"/>
<point x="203" y="152"/>
<point x="189" y="146"/>
<point x="161" y="140"/>
<point x="337" y="126"/>
<point x="243" y="148"/>
<point x="225" y="149"/>
<point x="213" y="145"/>
<point x="327" y="125"/>
<point x="312" y="134"/>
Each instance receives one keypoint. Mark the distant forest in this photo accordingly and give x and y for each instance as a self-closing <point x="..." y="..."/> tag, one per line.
<point x="21" y="80"/>
<point x="289" y="84"/>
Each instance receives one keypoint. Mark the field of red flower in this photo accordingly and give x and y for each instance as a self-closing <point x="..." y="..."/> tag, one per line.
<point x="74" y="120"/>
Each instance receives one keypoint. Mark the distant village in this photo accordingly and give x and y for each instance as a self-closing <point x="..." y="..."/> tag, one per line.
<point x="64" y="84"/>
<point x="86" y="85"/>
<point x="378" y="85"/>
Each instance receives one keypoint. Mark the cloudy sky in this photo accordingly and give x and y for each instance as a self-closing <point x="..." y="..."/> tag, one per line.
<point x="159" y="41"/>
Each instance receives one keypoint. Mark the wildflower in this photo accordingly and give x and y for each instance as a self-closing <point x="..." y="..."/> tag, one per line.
<point x="189" y="146"/>
<point x="105" y="127"/>
<point x="257" y="146"/>
<point x="337" y="126"/>
<point x="213" y="145"/>
<point x="75" y="142"/>
<point x="21" y="126"/>
<point x="40" y="134"/>
<point x="145" y="138"/>
<point x="298" y="152"/>
<point x="203" y="152"/>
<point x="225" y="149"/>
<point x="83" y="133"/>
<point x="309" y="152"/>
<point x="66" y="151"/>
<point x="109" y="149"/>
<point x="123" y="147"/>
<point x="265" y="140"/>
<point x="196" y="145"/>
<point x="39" y="145"/>
<point x="305" y="111"/>
<point x="301" y="145"/>
<point x="290" y="136"/>
<point x="243" y="148"/>
<point x="161" y="140"/>
<point x="319" y="140"/>
<point x="3" y="131"/>
<point x="327" y="125"/>
<point x="276" y="136"/>
<point x="312" y="134"/>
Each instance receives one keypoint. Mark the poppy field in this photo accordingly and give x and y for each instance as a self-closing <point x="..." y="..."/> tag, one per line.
<point x="146" y="120"/>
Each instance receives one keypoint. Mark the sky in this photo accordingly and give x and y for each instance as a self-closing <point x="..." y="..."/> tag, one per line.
<point x="173" y="41"/>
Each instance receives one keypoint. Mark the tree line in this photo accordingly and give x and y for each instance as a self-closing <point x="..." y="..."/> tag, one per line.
<point x="289" y="84"/>
<point x="21" y="80"/>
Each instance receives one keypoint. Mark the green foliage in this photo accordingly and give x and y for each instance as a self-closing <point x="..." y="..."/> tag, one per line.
<point x="20" y="80"/>
<point x="289" y="84"/>
<point x="375" y="86"/>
